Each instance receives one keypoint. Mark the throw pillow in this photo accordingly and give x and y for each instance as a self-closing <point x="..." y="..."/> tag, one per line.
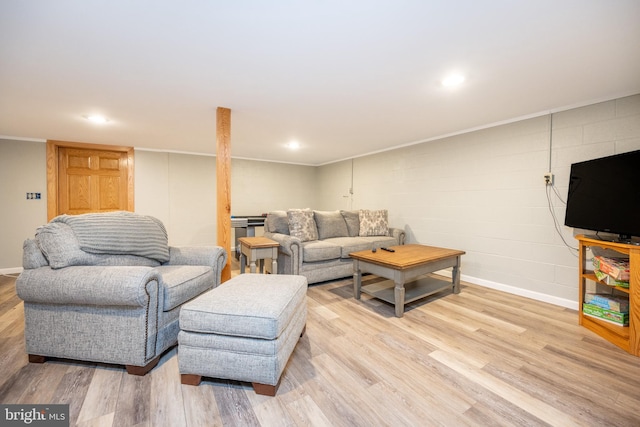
<point x="302" y="225"/>
<point x="373" y="223"/>
<point x="277" y="222"/>
<point x="352" y="218"/>
<point x="330" y="224"/>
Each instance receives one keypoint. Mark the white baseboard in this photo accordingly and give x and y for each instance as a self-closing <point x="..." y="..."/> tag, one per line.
<point x="447" y="273"/>
<point x="562" y="302"/>
<point x="15" y="270"/>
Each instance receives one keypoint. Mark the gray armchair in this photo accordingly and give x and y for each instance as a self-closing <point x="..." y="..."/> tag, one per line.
<point x="107" y="288"/>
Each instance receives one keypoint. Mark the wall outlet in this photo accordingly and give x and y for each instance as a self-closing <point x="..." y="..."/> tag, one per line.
<point x="548" y="178"/>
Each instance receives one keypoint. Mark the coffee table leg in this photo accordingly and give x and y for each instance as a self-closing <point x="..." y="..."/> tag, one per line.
<point x="398" y="295"/>
<point x="455" y="276"/>
<point x="357" y="279"/>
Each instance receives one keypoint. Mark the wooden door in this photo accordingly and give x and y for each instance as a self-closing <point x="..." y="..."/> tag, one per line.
<point x="86" y="178"/>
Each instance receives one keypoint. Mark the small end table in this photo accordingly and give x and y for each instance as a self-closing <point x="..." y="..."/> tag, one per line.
<point x="258" y="248"/>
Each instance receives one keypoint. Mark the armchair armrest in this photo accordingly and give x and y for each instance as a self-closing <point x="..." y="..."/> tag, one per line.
<point x="213" y="256"/>
<point x="89" y="285"/>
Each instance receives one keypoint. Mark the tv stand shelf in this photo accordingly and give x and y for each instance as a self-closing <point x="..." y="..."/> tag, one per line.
<point x="625" y="337"/>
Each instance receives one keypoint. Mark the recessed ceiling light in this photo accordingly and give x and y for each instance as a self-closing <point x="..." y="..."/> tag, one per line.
<point x="453" y="80"/>
<point x="97" y="119"/>
<point x="293" y="145"/>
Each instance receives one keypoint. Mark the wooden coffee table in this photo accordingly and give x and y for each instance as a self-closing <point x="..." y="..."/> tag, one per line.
<point x="404" y="268"/>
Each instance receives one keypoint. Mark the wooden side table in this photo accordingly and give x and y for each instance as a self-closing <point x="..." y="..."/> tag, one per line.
<point x="258" y="249"/>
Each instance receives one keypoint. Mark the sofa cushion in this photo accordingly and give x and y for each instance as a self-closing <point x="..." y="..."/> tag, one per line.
<point x="355" y="244"/>
<point x="302" y="224"/>
<point x="379" y="241"/>
<point x="350" y="244"/>
<point x="320" y="250"/>
<point x="184" y="282"/>
<point x="352" y="219"/>
<point x="121" y="260"/>
<point x="330" y="224"/>
<point x="373" y="223"/>
<point x="278" y="222"/>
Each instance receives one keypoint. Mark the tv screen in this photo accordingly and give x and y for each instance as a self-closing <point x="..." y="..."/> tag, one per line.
<point x="604" y="195"/>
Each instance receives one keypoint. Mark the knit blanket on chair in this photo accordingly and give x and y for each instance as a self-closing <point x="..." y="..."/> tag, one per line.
<point x="119" y="233"/>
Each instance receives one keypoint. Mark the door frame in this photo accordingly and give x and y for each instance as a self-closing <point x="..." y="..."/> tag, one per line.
<point x="52" y="171"/>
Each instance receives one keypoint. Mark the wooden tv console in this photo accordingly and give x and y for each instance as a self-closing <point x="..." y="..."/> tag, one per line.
<point x="625" y="337"/>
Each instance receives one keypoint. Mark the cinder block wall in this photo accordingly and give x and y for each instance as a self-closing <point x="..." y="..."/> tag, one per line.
<point x="483" y="192"/>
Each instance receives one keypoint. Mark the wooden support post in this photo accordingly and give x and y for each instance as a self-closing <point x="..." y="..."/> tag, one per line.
<point x="223" y="184"/>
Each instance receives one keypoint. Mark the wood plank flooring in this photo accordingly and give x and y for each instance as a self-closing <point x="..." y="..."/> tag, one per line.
<point x="479" y="358"/>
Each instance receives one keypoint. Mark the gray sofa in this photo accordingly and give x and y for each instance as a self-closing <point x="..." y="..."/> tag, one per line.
<point x="316" y="244"/>
<point x="108" y="288"/>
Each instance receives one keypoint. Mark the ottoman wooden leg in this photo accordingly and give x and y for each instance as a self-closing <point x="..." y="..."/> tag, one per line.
<point x="265" y="389"/>
<point x="34" y="358"/>
<point x="190" y="379"/>
<point x="271" y="390"/>
<point x="141" y="371"/>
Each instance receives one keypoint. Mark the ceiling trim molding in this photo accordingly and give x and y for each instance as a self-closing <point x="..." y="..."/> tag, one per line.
<point x="490" y="125"/>
<point x="22" y="138"/>
<point x="192" y="153"/>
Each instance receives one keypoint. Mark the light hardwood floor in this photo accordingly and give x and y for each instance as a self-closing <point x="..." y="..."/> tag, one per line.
<point x="479" y="358"/>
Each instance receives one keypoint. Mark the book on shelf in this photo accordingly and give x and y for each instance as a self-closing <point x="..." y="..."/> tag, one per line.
<point x="615" y="317"/>
<point x="608" y="301"/>
<point x="618" y="268"/>
<point x="608" y="280"/>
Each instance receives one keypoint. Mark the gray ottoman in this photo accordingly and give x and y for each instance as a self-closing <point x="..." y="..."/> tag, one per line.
<point x="243" y="330"/>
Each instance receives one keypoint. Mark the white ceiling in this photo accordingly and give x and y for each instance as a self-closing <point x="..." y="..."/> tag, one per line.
<point x="344" y="78"/>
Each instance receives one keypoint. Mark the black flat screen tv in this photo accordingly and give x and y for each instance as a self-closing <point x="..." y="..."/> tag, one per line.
<point x="604" y="195"/>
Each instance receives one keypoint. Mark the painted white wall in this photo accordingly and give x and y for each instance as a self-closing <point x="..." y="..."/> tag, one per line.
<point x="334" y="189"/>
<point x="483" y="192"/>
<point x="22" y="170"/>
<point x="179" y="189"/>
<point x="260" y="187"/>
<point x="151" y="183"/>
<point x="192" y="200"/>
